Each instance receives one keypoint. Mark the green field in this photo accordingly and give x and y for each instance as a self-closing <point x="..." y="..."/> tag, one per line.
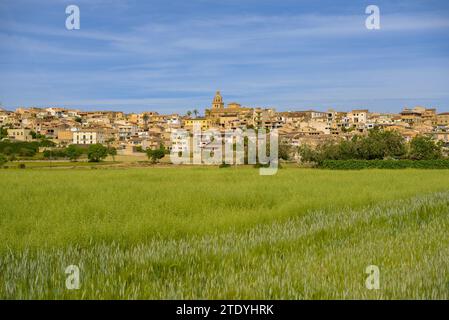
<point x="200" y="233"/>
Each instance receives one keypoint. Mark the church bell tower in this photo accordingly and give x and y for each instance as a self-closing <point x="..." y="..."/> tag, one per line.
<point x="218" y="101"/>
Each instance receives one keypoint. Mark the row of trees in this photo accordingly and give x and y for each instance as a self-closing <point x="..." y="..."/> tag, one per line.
<point x="9" y="151"/>
<point x="95" y="152"/>
<point x="377" y="145"/>
<point x="23" y="148"/>
<point x="98" y="152"/>
<point x="72" y="153"/>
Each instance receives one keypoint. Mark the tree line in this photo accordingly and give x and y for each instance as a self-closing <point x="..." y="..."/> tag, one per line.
<point x="10" y="151"/>
<point x="377" y="145"/>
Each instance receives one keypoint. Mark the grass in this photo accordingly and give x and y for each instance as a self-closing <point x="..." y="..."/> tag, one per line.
<point x="224" y="233"/>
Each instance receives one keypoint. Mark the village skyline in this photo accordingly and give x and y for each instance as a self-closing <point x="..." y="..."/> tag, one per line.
<point x="134" y="132"/>
<point x="183" y="111"/>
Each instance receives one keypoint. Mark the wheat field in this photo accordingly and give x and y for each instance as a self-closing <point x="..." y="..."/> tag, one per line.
<point x="209" y="233"/>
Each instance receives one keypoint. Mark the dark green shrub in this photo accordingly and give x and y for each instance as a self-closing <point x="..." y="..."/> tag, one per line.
<point x="155" y="155"/>
<point x="384" y="164"/>
<point x="3" y="159"/>
<point x="425" y="148"/>
<point x="260" y="165"/>
<point x="19" y="148"/>
<point x="97" y="152"/>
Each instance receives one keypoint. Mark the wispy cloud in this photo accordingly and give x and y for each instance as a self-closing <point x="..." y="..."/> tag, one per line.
<point x="165" y="60"/>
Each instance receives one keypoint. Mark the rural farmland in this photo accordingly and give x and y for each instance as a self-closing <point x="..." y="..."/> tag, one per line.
<point x="209" y="233"/>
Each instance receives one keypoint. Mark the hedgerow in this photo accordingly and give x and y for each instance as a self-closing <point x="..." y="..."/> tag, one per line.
<point x="383" y="164"/>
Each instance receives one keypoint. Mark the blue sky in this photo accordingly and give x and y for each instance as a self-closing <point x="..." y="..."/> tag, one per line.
<point x="171" y="56"/>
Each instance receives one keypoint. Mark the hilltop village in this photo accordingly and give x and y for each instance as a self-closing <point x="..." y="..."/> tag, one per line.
<point x="137" y="132"/>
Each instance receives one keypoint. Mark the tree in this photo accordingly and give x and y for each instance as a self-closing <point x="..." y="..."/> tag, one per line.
<point x="56" y="153"/>
<point x="189" y="113"/>
<point x="112" y="152"/>
<point x="377" y="145"/>
<point x="3" y="133"/>
<point x="97" y="152"/>
<point x="380" y="145"/>
<point x="308" y="154"/>
<point x="3" y="159"/>
<point x="139" y="149"/>
<point x="46" y="143"/>
<point x="73" y="152"/>
<point x="284" y="151"/>
<point x="424" y="148"/>
<point x="156" y="155"/>
<point x="348" y="149"/>
<point x="145" y="120"/>
<point x="195" y="112"/>
<point x="36" y="136"/>
<point x="47" y="154"/>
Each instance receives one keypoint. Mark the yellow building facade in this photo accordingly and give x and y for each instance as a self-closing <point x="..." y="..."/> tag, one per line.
<point x="202" y="123"/>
